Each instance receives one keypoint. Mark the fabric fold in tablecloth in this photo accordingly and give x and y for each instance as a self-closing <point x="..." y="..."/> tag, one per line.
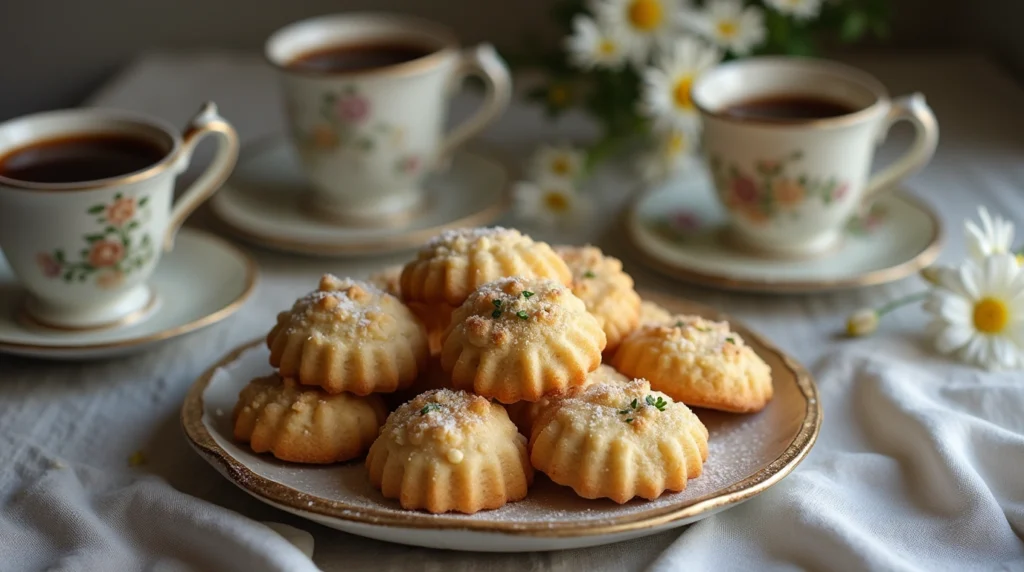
<point x="63" y="517"/>
<point x="914" y="469"/>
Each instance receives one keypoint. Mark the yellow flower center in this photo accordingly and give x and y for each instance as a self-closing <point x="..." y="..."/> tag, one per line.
<point x="645" y="15"/>
<point x="1020" y="260"/>
<point x="561" y="166"/>
<point x="607" y="47"/>
<point x="727" y="28"/>
<point x="991" y="315"/>
<point x="682" y="92"/>
<point x="556" y="202"/>
<point x="558" y="95"/>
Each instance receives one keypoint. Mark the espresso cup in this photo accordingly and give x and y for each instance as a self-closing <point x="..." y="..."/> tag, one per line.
<point x="370" y="128"/>
<point x="791" y="182"/>
<point x="84" y="249"/>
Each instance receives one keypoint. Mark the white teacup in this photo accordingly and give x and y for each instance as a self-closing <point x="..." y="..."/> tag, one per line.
<point x="84" y="249"/>
<point x="367" y="137"/>
<point x="791" y="185"/>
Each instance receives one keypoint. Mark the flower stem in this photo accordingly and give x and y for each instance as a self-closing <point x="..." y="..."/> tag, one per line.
<point x="900" y="302"/>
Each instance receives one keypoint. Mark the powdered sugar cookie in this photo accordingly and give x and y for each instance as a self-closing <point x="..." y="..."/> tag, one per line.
<point x="607" y="291"/>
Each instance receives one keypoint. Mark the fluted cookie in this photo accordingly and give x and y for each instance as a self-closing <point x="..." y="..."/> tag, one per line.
<point x="518" y="339"/>
<point x="457" y="262"/>
<point x="699" y="362"/>
<point x="306" y="425"/>
<point x="524" y="413"/>
<point x="619" y="441"/>
<point x="651" y="313"/>
<point x="450" y="451"/>
<point x="388" y="279"/>
<point x="607" y="291"/>
<point x="349" y="336"/>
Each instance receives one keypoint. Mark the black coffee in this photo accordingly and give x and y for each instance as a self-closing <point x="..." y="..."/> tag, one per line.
<point x="788" y="108"/>
<point x="80" y="158"/>
<point x="357" y="57"/>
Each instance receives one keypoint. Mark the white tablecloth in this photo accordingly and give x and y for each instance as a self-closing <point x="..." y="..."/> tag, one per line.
<point x="918" y="465"/>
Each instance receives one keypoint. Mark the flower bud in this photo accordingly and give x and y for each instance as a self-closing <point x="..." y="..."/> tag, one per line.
<point x="862" y="322"/>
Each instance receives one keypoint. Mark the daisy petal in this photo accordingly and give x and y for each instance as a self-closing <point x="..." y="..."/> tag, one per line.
<point x="952" y="338"/>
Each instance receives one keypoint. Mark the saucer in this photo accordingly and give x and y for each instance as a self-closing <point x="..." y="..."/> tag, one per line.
<point x="202" y="281"/>
<point x="680" y="229"/>
<point x="264" y="203"/>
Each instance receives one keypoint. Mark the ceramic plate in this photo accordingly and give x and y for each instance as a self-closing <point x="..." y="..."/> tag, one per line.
<point x="202" y="281"/>
<point x="747" y="454"/>
<point x="679" y="229"/>
<point x="264" y="203"/>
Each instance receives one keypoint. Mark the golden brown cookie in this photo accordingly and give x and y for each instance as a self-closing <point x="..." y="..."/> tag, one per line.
<point x="388" y="279"/>
<point x="450" y="451"/>
<point x="619" y="441"/>
<point x="519" y="339"/>
<point x="524" y="413"/>
<point x="651" y="313"/>
<point x="457" y="262"/>
<point x="607" y="291"/>
<point x="349" y="336"/>
<point x="306" y="425"/>
<point x="699" y="362"/>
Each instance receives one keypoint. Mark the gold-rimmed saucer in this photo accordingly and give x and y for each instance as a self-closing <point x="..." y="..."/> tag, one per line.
<point x="202" y="281"/>
<point x="265" y="203"/>
<point x="679" y="229"/>
<point x="747" y="455"/>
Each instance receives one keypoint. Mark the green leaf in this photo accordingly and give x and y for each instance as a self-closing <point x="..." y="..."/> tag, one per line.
<point x="143" y="201"/>
<point x="68" y="275"/>
<point x="94" y="237"/>
<point x="96" y="209"/>
<point x="854" y="26"/>
<point x="81" y="278"/>
<point x="118" y="196"/>
<point x="58" y="255"/>
<point x="133" y="225"/>
<point x="109" y="230"/>
<point x="145" y="240"/>
<point x="127" y="242"/>
<point x="84" y="252"/>
<point x="649" y="399"/>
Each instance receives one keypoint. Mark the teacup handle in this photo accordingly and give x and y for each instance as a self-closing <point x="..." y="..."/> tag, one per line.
<point x="482" y="61"/>
<point x="914" y="109"/>
<point x="206" y="122"/>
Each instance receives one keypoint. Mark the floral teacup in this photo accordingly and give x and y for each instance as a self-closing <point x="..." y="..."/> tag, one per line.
<point x="84" y="250"/>
<point x="791" y="185"/>
<point x="368" y="137"/>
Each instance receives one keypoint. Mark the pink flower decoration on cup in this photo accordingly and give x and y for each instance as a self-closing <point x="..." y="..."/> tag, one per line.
<point x="48" y="264"/>
<point x="353" y="108"/>
<point x="744" y="189"/>
<point x="106" y="253"/>
<point x="121" y="211"/>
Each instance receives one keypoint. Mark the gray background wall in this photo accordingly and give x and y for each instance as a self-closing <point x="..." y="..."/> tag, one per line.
<point x="54" y="52"/>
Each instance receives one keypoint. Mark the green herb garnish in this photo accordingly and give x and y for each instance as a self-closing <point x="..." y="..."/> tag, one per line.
<point x="523" y="315"/>
<point x="730" y="340"/>
<point x="630" y="420"/>
<point x="634" y="404"/>
<point x="659" y="404"/>
<point x="496" y="314"/>
<point x="497" y="303"/>
<point x="430" y="407"/>
<point x="589" y="274"/>
<point x="680" y="324"/>
<point x="649" y="399"/>
<point x="527" y="294"/>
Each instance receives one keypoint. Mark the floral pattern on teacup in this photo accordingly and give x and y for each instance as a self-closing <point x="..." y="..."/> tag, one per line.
<point x="868" y="221"/>
<point x="109" y="254"/>
<point x="772" y="192"/>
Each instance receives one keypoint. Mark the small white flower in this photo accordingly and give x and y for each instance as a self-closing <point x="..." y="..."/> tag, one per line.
<point x="561" y="163"/>
<point x="994" y="236"/>
<point x="666" y="88"/>
<point x="642" y="24"/>
<point x="978" y="312"/>
<point x="592" y="45"/>
<point x="672" y="153"/>
<point x="862" y="322"/>
<point x="729" y="25"/>
<point x="549" y="202"/>
<point x="799" y="9"/>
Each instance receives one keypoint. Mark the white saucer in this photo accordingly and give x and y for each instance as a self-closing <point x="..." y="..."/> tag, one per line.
<point x="747" y="454"/>
<point x="263" y="203"/>
<point x="202" y="281"/>
<point x="680" y="230"/>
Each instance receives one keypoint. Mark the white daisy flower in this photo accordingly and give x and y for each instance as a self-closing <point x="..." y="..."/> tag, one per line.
<point x="994" y="236"/>
<point x="549" y="202"/>
<point x="729" y="25"/>
<point x="673" y="153"/>
<point x="666" y="87"/>
<point x="562" y="162"/>
<point x="978" y="311"/>
<point x="642" y="24"/>
<point x="592" y="45"/>
<point x="799" y="9"/>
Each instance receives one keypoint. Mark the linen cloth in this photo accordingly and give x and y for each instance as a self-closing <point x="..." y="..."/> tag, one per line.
<point x="918" y="466"/>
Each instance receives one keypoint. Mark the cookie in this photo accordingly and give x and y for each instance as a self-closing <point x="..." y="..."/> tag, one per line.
<point x="305" y="425"/>
<point x="450" y="451"/>
<point x="607" y="291"/>
<point x="524" y="413"/>
<point x="518" y="339"/>
<point x="349" y="336"/>
<point x="619" y="441"/>
<point x="651" y="313"/>
<point x="388" y="279"/>
<point x="699" y="362"/>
